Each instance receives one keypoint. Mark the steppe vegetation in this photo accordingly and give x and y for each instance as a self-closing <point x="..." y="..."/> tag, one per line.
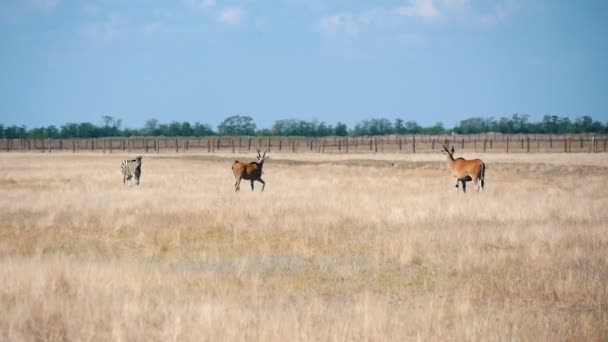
<point x="337" y="247"/>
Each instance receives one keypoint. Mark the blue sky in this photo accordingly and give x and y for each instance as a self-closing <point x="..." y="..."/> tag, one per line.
<point x="333" y="60"/>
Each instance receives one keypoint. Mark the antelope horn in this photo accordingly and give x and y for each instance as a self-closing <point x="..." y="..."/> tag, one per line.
<point x="264" y="154"/>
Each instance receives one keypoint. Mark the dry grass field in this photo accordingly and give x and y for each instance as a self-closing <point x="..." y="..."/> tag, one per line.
<point x="338" y="247"/>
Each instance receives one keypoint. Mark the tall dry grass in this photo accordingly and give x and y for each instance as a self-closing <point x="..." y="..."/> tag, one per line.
<point x="336" y="248"/>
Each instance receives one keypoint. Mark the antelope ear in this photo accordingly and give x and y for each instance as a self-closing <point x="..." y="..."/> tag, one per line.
<point x="452" y="149"/>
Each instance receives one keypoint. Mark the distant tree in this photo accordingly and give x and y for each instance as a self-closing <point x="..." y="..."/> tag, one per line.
<point x="15" y="132"/>
<point x="111" y="127"/>
<point x="435" y="129"/>
<point x="151" y="128"/>
<point x="237" y="125"/>
<point x="374" y="127"/>
<point x="283" y="127"/>
<point x="69" y="130"/>
<point x="37" y="133"/>
<point x="471" y="126"/>
<point x="264" y="132"/>
<point x="202" y="130"/>
<point x="186" y="129"/>
<point x="412" y="127"/>
<point x="324" y="130"/>
<point x="52" y="132"/>
<point x="341" y="129"/>
<point x="88" y="130"/>
<point x="398" y="127"/>
<point x="173" y="129"/>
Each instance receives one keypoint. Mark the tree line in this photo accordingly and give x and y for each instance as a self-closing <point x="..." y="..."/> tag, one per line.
<point x="244" y="125"/>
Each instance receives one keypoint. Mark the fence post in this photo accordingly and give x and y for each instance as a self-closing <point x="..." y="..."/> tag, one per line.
<point x="219" y="143"/>
<point x="280" y="144"/>
<point x="400" y="144"/>
<point x="485" y="142"/>
<point x="433" y="145"/>
<point x="508" y="144"/>
<point x="593" y="144"/>
<point x="414" y="144"/>
<point x="240" y="142"/>
<point x="232" y="142"/>
<point x="528" y="144"/>
<point x="565" y="144"/>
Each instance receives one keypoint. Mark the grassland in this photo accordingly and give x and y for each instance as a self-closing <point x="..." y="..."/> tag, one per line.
<point x="338" y="247"/>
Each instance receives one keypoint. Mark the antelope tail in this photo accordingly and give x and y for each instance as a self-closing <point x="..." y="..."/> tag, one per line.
<point x="482" y="175"/>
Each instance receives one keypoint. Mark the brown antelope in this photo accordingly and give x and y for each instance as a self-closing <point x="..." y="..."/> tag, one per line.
<point x="466" y="170"/>
<point x="249" y="171"/>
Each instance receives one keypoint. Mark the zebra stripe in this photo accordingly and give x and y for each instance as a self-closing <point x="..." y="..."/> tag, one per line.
<point x="131" y="169"/>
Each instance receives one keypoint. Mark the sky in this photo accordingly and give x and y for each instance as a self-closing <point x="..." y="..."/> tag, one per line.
<point x="331" y="60"/>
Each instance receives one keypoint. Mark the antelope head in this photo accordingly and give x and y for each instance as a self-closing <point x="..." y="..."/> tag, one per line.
<point x="262" y="157"/>
<point x="445" y="150"/>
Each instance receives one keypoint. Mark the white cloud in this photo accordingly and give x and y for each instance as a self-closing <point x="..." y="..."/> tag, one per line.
<point x="500" y="13"/>
<point x="455" y="4"/>
<point x="199" y="4"/>
<point x="43" y="4"/>
<point x="419" y="8"/>
<point x="443" y="12"/>
<point x="231" y="15"/>
<point x="105" y="30"/>
<point x="339" y="23"/>
<point x="351" y="24"/>
<point x="91" y="9"/>
<point x="154" y="27"/>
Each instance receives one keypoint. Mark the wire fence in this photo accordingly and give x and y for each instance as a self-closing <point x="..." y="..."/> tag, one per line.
<point x="494" y="143"/>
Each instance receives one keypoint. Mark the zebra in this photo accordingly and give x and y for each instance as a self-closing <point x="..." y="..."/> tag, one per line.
<point x="130" y="169"/>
